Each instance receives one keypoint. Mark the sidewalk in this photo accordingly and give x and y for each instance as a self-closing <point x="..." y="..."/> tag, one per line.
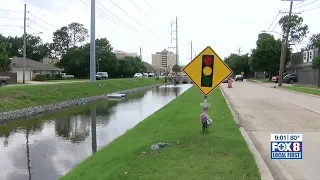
<point x="266" y="110"/>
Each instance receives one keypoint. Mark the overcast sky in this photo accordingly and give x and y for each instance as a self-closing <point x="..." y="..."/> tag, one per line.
<point x="223" y="25"/>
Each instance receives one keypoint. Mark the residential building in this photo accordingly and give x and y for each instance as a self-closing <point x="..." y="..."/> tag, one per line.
<point x="163" y="61"/>
<point x="122" y="54"/>
<point x="301" y="64"/>
<point x="32" y="68"/>
<point x="302" y="60"/>
<point x="51" y="61"/>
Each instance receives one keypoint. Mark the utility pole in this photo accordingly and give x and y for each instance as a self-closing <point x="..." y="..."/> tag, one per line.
<point x="176" y="38"/>
<point x="285" y="44"/>
<point x="24" y="44"/>
<point x="239" y="51"/>
<point x="93" y="42"/>
<point x="190" y="51"/>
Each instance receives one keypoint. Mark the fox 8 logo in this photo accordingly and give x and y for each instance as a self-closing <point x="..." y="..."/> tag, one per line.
<point x="286" y="146"/>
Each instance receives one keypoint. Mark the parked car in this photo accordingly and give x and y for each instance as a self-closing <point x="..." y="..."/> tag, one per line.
<point x="238" y="77"/>
<point x="291" y="78"/>
<point x="102" y="75"/>
<point x="276" y="78"/>
<point x="138" y="75"/>
<point x="145" y="74"/>
<point x="152" y="75"/>
<point x="4" y="80"/>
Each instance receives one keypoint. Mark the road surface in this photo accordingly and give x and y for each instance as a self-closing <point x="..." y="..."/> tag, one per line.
<point x="267" y="110"/>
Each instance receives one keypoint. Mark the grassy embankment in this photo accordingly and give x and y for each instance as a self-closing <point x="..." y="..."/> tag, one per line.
<point x="17" y="97"/>
<point x="303" y="89"/>
<point x="220" y="153"/>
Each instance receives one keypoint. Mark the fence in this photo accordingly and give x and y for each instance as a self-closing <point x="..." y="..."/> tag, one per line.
<point x="13" y="76"/>
<point x="309" y="77"/>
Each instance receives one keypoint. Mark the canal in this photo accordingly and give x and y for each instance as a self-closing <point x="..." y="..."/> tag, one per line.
<point x="47" y="146"/>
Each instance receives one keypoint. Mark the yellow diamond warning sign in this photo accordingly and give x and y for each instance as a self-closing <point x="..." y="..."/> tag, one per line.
<point x="207" y="70"/>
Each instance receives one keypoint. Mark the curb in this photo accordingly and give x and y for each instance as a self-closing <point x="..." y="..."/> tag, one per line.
<point x="297" y="92"/>
<point x="263" y="168"/>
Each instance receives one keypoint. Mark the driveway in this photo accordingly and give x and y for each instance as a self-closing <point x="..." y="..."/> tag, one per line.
<point x="266" y="110"/>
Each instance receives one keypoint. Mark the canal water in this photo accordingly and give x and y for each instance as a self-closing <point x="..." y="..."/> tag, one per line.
<point x="47" y="146"/>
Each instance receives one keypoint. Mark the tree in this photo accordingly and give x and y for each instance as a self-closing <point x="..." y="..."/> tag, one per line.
<point x="77" y="33"/>
<point x="176" y="68"/>
<point x="298" y="30"/>
<point x="14" y="46"/>
<point x="316" y="63"/>
<point x="266" y="57"/>
<point x="238" y="63"/>
<point x="76" y="61"/>
<point x="61" y="41"/>
<point x="106" y="59"/>
<point x="35" y="49"/>
<point x="5" y="62"/>
<point x="314" y="41"/>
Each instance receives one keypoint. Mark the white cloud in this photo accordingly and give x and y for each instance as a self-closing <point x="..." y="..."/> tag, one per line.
<point x="224" y="25"/>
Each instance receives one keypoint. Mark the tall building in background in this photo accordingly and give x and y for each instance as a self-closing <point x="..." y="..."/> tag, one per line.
<point x="163" y="61"/>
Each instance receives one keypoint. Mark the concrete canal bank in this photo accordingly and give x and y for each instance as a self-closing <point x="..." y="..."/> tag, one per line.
<point x="25" y="112"/>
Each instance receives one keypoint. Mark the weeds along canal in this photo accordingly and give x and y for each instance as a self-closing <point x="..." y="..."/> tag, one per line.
<point x="47" y="146"/>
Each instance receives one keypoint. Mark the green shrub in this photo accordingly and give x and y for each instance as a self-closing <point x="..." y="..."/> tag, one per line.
<point x="58" y="76"/>
<point x="41" y="77"/>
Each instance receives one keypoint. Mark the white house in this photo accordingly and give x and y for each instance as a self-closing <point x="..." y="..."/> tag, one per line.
<point x="32" y="68"/>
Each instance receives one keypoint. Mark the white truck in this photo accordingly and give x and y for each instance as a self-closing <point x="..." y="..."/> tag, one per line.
<point x="66" y="76"/>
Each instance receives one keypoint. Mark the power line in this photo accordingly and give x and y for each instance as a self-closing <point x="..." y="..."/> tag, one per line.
<point x="147" y="3"/>
<point x="134" y="19"/>
<point x="296" y="5"/>
<point x="306" y="4"/>
<point x="273" y="21"/>
<point x="39" y="32"/>
<point x="275" y="18"/>
<point x="116" y="17"/>
<point x="106" y="15"/>
<point x="41" y="20"/>
<point x="311" y="9"/>
<point x="40" y="26"/>
<point x="11" y="11"/>
<point x="11" y="26"/>
<point x="144" y="13"/>
<point x="10" y="18"/>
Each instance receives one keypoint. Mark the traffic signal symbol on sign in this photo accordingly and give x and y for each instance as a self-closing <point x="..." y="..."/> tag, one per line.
<point x="207" y="70"/>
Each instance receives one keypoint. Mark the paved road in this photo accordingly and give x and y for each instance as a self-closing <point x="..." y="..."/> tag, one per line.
<point x="47" y="82"/>
<point x="266" y="110"/>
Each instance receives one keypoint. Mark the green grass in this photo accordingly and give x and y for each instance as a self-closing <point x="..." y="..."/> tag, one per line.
<point x="66" y="80"/>
<point x="17" y="97"/>
<point x="303" y="89"/>
<point x="220" y="153"/>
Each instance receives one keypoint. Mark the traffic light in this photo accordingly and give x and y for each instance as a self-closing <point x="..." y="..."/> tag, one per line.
<point x="207" y="70"/>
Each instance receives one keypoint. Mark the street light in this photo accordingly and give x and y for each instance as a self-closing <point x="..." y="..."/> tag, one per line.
<point x="98" y="64"/>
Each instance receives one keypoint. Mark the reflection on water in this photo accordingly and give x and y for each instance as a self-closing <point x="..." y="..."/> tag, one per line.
<point x="47" y="146"/>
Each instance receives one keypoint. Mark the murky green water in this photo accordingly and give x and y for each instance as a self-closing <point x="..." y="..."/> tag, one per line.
<point x="47" y="146"/>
